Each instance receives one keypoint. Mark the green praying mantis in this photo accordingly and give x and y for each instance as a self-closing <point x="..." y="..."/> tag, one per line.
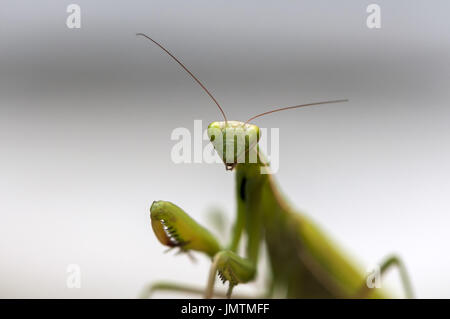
<point x="304" y="262"/>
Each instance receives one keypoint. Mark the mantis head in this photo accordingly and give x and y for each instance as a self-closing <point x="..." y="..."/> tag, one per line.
<point x="233" y="141"/>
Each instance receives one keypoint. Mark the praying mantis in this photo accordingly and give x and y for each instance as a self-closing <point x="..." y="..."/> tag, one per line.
<point x="304" y="262"/>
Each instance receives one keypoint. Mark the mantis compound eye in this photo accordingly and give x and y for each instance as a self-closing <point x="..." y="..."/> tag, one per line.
<point x="234" y="141"/>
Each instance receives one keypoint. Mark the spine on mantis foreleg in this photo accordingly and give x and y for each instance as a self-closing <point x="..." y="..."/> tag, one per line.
<point x="174" y="228"/>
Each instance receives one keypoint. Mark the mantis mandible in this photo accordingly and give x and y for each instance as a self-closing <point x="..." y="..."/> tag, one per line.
<point x="304" y="261"/>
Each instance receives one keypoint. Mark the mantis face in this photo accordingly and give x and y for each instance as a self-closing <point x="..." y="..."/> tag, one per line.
<point x="233" y="140"/>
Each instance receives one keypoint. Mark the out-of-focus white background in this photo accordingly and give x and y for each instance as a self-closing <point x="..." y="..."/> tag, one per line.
<point x="86" y="117"/>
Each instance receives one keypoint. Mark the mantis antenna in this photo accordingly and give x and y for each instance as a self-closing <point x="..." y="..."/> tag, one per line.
<point x="187" y="70"/>
<point x="294" y="107"/>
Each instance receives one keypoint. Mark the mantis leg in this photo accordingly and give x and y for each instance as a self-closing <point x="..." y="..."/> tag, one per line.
<point x="148" y="291"/>
<point x="232" y="268"/>
<point x="174" y="228"/>
<point x="387" y="264"/>
<point x="219" y="222"/>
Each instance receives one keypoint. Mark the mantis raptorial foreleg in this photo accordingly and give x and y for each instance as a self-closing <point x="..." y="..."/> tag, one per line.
<point x="174" y="228"/>
<point x="231" y="268"/>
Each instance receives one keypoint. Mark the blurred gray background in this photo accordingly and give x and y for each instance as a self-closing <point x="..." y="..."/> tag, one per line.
<point x="86" y="116"/>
